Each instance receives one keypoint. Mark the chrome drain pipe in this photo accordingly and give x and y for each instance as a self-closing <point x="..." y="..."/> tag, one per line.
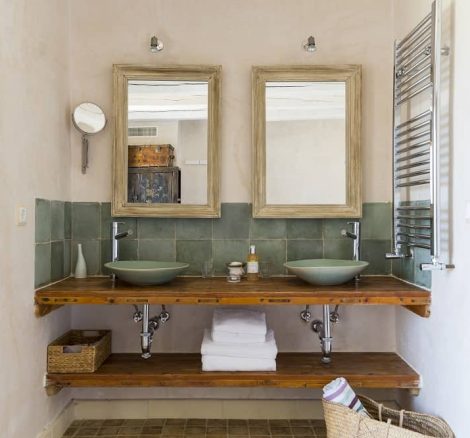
<point x="323" y="328"/>
<point x="149" y="326"/>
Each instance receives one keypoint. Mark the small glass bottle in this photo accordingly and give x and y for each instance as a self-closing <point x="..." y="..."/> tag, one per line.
<point x="252" y="266"/>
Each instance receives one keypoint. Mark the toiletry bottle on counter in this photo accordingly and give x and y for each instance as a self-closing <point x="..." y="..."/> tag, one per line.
<point x="252" y="266"/>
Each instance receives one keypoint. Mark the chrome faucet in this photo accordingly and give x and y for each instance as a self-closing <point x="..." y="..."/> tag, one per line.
<point x="356" y="236"/>
<point x="115" y="237"/>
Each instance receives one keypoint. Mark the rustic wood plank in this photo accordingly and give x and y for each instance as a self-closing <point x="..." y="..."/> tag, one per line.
<point x="422" y="310"/>
<point x="44" y="309"/>
<point x="380" y="290"/>
<point x="294" y="370"/>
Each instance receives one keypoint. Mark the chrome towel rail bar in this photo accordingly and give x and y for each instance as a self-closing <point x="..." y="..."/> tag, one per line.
<point x="417" y="60"/>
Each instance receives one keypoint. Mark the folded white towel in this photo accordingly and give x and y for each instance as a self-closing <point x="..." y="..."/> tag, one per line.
<point x="224" y="363"/>
<point x="240" y="321"/>
<point x="339" y="391"/>
<point x="260" y="350"/>
<point x="236" y="338"/>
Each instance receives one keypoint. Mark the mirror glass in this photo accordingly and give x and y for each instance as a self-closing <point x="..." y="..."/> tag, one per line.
<point x="167" y="140"/>
<point x="89" y="118"/>
<point x="305" y="142"/>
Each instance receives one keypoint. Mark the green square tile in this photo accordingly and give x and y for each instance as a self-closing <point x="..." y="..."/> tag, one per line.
<point x="128" y="249"/>
<point x="91" y="254"/>
<point x="268" y="229"/>
<point x="304" y="249"/>
<point x="57" y="220"/>
<point x="106" y="220"/>
<point x="67" y="257"/>
<point x="397" y="268"/>
<point x="105" y="255"/>
<point x="339" y="248"/>
<point x="373" y="251"/>
<point x="193" y="252"/>
<point x="225" y="251"/>
<point x="67" y="220"/>
<point x="57" y="260"/>
<point x="155" y="228"/>
<point x="194" y="229"/>
<point x="85" y="220"/>
<point x="273" y="251"/>
<point x="234" y="222"/>
<point x="376" y="222"/>
<point x="157" y="249"/>
<point x="304" y="228"/>
<point x="422" y="278"/>
<point x="406" y="269"/>
<point x="332" y="228"/>
<point x="43" y="221"/>
<point x="42" y="264"/>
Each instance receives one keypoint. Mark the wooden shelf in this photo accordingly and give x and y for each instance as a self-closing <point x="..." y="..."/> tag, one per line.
<point x="196" y="290"/>
<point x="294" y="370"/>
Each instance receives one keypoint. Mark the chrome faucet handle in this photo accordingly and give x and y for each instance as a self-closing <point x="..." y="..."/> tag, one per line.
<point x="306" y="315"/>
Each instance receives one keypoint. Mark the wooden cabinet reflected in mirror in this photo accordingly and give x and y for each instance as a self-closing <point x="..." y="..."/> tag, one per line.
<point x="166" y="144"/>
<point x="306" y="141"/>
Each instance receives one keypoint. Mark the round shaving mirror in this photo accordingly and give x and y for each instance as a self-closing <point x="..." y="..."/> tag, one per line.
<point x="89" y="119"/>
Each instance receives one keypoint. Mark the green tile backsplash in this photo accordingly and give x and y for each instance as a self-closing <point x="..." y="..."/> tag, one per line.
<point x="196" y="240"/>
<point x="408" y="268"/>
<point x="52" y="241"/>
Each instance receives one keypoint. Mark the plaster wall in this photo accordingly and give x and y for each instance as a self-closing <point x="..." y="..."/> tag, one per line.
<point x="237" y="35"/>
<point x="35" y="150"/>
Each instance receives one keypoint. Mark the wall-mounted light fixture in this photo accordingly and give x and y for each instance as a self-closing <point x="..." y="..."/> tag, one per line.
<point x="309" y="45"/>
<point x="156" y="45"/>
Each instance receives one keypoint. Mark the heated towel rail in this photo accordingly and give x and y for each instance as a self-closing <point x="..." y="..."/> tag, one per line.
<point x="416" y="84"/>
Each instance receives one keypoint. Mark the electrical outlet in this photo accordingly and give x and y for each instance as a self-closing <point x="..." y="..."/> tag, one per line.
<point x="21" y="216"/>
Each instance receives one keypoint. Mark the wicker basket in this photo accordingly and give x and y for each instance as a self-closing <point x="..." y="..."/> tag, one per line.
<point x="79" y="351"/>
<point x="342" y="422"/>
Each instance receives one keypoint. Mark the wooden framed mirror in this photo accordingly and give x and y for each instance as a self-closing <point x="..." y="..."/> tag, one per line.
<point x="166" y="145"/>
<point x="306" y="141"/>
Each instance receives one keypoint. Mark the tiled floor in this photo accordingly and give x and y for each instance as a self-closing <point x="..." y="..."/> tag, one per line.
<point x="197" y="428"/>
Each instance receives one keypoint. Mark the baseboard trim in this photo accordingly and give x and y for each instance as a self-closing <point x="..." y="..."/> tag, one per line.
<point x="197" y="408"/>
<point x="183" y="408"/>
<point x="57" y="427"/>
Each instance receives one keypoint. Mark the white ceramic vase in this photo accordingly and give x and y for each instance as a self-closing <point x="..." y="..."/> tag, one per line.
<point x="80" y="267"/>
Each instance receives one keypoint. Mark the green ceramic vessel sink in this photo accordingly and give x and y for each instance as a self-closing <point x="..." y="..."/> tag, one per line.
<point x="146" y="273"/>
<point x="325" y="272"/>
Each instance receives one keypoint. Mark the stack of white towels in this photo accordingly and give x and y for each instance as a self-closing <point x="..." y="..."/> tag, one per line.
<point x="239" y="340"/>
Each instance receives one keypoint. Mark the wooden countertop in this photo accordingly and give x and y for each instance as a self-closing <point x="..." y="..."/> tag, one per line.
<point x="379" y="290"/>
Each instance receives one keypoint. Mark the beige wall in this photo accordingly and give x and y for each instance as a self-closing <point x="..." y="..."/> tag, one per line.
<point x="236" y="34"/>
<point x="35" y="150"/>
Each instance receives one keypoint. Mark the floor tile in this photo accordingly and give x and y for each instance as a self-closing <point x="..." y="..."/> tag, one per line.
<point x="196" y="428"/>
